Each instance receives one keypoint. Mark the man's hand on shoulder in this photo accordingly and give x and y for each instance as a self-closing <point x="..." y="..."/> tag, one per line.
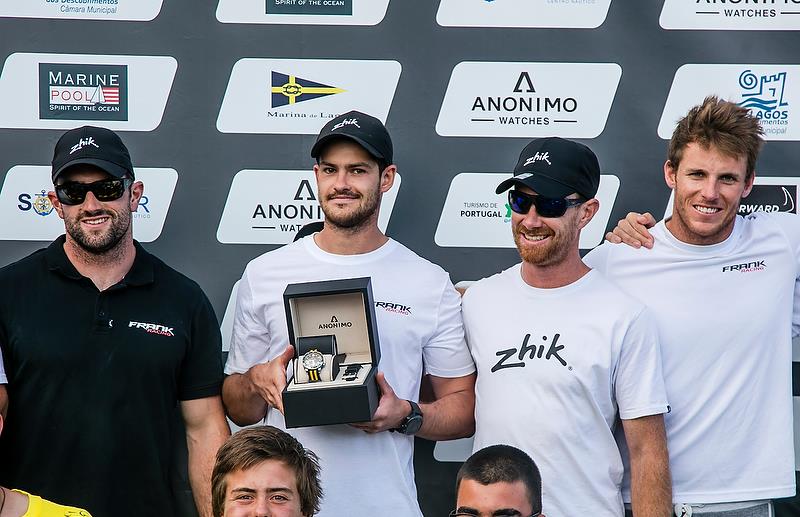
<point x="633" y="230"/>
<point x="391" y="409"/>
<point x="269" y="378"/>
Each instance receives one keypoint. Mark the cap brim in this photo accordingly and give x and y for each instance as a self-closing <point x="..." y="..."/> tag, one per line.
<point x="317" y="149"/>
<point x="110" y="167"/>
<point x="539" y="183"/>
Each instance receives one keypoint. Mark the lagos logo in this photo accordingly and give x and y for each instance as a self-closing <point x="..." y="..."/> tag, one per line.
<point x="290" y="89"/>
<point x="764" y="96"/>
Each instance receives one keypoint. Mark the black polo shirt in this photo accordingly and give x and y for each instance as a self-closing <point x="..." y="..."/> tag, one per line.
<point x="94" y="379"/>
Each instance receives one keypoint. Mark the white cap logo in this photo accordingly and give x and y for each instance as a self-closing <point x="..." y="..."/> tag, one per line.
<point x="538" y="157"/>
<point x="346" y="122"/>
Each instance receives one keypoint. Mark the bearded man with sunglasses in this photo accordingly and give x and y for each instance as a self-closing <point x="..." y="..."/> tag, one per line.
<point x="562" y="354"/>
<point x="105" y="348"/>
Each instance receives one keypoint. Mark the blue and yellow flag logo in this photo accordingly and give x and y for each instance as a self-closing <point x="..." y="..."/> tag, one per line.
<point x="290" y="89"/>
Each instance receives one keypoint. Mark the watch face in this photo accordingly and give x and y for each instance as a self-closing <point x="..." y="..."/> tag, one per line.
<point x="313" y="360"/>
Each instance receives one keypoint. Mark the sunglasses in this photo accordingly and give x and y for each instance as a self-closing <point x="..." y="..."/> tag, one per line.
<point x="521" y="203"/>
<point x="512" y="513"/>
<point x="74" y="193"/>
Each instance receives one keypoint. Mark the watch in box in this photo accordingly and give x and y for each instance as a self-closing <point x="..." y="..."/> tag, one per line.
<point x="313" y="362"/>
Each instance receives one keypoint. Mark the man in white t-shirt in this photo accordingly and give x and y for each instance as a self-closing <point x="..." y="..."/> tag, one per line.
<point x="365" y="469"/>
<point x="722" y="288"/>
<point x="562" y="354"/>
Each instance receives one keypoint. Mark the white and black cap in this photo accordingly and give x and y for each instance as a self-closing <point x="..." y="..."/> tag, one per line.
<point x="367" y="131"/>
<point x="555" y="167"/>
<point x="89" y="145"/>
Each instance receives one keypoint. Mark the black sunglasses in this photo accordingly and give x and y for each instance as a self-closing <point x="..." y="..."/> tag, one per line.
<point x="74" y="193"/>
<point x="521" y="203"/>
<point x="456" y="513"/>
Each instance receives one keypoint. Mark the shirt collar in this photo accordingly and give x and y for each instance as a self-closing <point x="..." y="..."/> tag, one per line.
<point x="141" y="272"/>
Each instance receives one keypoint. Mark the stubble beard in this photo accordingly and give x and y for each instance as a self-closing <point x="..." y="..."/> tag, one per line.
<point x="553" y="253"/>
<point x="358" y="217"/>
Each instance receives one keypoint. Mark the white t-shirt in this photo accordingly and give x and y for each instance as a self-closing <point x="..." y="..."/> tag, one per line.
<point x="725" y="318"/>
<point x="420" y="328"/>
<point x="3" y="378"/>
<point x="555" y="368"/>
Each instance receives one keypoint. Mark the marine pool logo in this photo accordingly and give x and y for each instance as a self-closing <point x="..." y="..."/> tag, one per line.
<point x="764" y="96"/>
<point x="83" y="92"/>
<point x="290" y="89"/>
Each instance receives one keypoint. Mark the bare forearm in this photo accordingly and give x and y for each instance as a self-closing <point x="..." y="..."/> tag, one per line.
<point x="651" y="486"/>
<point x="449" y="417"/>
<point x="202" y="451"/>
<point x="3" y="401"/>
<point x="243" y="403"/>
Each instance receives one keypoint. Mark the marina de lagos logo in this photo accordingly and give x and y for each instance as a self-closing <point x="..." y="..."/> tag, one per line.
<point x="764" y="96"/>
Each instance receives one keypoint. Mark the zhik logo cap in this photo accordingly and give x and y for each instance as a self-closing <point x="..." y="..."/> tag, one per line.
<point x="367" y="131"/>
<point x="89" y="145"/>
<point x="555" y="167"/>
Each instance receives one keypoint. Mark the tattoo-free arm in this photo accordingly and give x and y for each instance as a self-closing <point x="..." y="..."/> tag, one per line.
<point x="651" y="484"/>
<point x="206" y="431"/>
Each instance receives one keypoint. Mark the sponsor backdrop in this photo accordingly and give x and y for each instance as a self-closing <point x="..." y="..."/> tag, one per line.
<point x="227" y="96"/>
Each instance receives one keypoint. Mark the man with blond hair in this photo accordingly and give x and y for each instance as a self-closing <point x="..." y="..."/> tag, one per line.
<point x="722" y="288"/>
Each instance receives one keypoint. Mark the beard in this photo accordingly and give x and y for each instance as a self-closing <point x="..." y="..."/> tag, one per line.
<point x="102" y="243"/>
<point x="554" y="252"/>
<point x="354" y="217"/>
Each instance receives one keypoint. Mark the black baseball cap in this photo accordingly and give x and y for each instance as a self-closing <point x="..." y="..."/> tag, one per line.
<point x="91" y="145"/>
<point x="555" y="167"/>
<point x="366" y="130"/>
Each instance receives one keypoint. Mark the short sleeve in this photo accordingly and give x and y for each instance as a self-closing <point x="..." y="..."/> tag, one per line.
<point x="201" y="374"/>
<point x="638" y="378"/>
<point x="446" y="353"/>
<point x="598" y="257"/>
<point x="250" y="339"/>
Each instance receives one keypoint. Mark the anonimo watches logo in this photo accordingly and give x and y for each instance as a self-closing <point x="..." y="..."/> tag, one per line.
<point x="731" y="14"/>
<point x="581" y="14"/>
<point x="298" y="96"/>
<point x="60" y="91"/>
<point x="254" y="214"/>
<point x="528" y="99"/>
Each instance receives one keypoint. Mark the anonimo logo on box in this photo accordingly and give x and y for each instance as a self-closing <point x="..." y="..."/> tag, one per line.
<point x="28" y="214"/>
<point x="769" y="194"/>
<point x="254" y="214"/>
<point x="771" y="92"/>
<point x="776" y="15"/>
<point x="475" y="217"/>
<point x="570" y="100"/>
<point x="129" y="10"/>
<point x="305" y="12"/>
<point x="61" y="91"/>
<point x="523" y="13"/>
<point x="297" y="96"/>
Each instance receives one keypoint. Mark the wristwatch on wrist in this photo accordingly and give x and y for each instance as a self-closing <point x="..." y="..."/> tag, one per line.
<point x="313" y="362"/>
<point x="412" y="423"/>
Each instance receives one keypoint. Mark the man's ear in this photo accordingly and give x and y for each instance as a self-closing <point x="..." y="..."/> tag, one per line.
<point x="588" y="210"/>
<point x="669" y="174"/>
<point x="387" y="178"/>
<point x="56" y="203"/>
<point x="137" y="190"/>
<point x="748" y="184"/>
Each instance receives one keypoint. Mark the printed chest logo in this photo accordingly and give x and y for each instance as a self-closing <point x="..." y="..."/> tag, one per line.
<point x="397" y="308"/>
<point x="335" y="324"/>
<point x="518" y="358"/>
<point x="152" y="328"/>
<point x="747" y="267"/>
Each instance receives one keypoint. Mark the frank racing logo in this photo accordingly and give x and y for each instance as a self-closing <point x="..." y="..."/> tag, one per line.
<point x="747" y="267"/>
<point x="152" y="328"/>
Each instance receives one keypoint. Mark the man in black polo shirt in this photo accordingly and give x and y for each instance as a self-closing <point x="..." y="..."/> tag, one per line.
<point x="101" y="341"/>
